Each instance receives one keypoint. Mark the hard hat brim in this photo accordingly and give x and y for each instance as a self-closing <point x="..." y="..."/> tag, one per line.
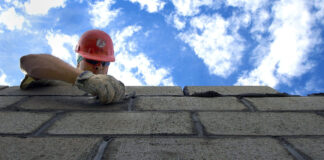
<point x="97" y="57"/>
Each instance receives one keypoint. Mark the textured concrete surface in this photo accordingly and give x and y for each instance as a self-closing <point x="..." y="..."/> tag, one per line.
<point x="313" y="147"/>
<point x="188" y="103"/>
<point x="160" y="123"/>
<point x="50" y="90"/>
<point x="288" y="103"/>
<point x="21" y="122"/>
<point x="230" y="90"/>
<point x="248" y="123"/>
<point x="194" y="148"/>
<point x="6" y="101"/>
<point x="48" y="148"/>
<point x="123" y="123"/>
<point x="70" y="103"/>
<point x="154" y="90"/>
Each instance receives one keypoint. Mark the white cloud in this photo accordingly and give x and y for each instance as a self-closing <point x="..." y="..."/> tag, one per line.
<point x="41" y="7"/>
<point x="18" y="4"/>
<point x="287" y="48"/>
<point x="3" y="78"/>
<point x="191" y="7"/>
<point x="179" y="24"/>
<point x="62" y="45"/>
<point x="259" y="21"/>
<point x="216" y="42"/>
<point x="135" y="69"/>
<point x="319" y="5"/>
<point x="11" y="19"/>
<point x="101" y="13"/>
<point x="151" y="5"/>
<point x="247" y="5"/>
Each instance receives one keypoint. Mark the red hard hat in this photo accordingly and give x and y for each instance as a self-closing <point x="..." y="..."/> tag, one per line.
<point x="96" y="45"/>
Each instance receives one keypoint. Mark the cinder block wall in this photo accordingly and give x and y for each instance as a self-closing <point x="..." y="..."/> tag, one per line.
<point x="197" y="122"/>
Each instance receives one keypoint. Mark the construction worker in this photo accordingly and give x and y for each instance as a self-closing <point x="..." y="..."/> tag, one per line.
<point x="95" y="52"/>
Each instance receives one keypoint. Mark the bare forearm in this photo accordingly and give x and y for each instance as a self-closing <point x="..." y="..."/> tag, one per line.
<point x="45" y="66"/>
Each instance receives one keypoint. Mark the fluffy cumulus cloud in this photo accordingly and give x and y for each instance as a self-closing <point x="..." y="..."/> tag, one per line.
<point x="192" y="7"/>
<point x="12" y="20"/>
<point x="3" y="78"/>
<point x="216" y="42"/>
<point x="247" y="5"/>
<point x="41" y="7"/>
<point x="150" y="5"/>
<point x="135" y="68"/>
<point x="15" y="3"/>
<point x="285" y="53"/>
<point x="101" y="13"/>
<point x="319" y="5"/>
<point x="177" y="21"/>
<point x="62" y="46"/>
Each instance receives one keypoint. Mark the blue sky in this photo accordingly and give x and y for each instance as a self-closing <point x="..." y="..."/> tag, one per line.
<point x="278" y="43"/>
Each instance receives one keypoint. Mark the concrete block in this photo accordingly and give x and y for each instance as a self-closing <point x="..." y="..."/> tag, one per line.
<point x="194" y="148"/>
<point x="288" y="103"/>
<point x="154" y="90"/>
<point x="188" y="103"/>
<point x="229" y="90"/>
<point x="70" y="103"/>
<point x="50" y="90"/>
<point x="5" y="101"/>
<point x="313" y="147"/>
<point x="21" y="122"/>
<point x="3" y="87"/>
<point x="123" y="123"/>
<point x="256" y="123"/>
<point x="48" y="148"/>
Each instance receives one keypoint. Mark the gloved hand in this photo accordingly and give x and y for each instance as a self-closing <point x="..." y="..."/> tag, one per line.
<point x="106" y="87"/>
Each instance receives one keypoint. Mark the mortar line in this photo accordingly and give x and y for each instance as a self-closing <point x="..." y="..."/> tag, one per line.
<point x="44" y="95"/>
<point x="320" y="114"/>
<point x="15" y="106"/>
<point x="47" y="124"/>
<point x="198" y="125"/>
<point x="168" y="95"/>
<point x="292" y="150"/>
<point x="248" y="104"/>
<point x="102" y="148"/>
<point x="131" y="104"/>
<point x="160" y="135"/>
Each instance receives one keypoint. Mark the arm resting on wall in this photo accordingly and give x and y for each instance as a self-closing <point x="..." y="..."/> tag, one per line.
<point x="45" y="66"/>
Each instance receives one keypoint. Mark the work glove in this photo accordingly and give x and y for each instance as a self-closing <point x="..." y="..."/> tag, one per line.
<point x="106" y="87"/>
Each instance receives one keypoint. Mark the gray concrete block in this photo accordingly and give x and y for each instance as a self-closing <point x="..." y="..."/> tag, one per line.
<point x="48" y="148"/>
<point x="288" y="103"/>
<point x="230" y="90"/>
<point x="313" y="147"/>
<point x="188" y="103"/>
<point x="70" y="103"/>
<point x="3" y="87"/>
<point x="123" y="123"/>
<point x="21" y="122"/>
<point x="256" y="123"/>
<point x="5" y="101"/>
<point x="49" y="90"/>
<point x="194" y="148"/>
<point x="154" y="90"/>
